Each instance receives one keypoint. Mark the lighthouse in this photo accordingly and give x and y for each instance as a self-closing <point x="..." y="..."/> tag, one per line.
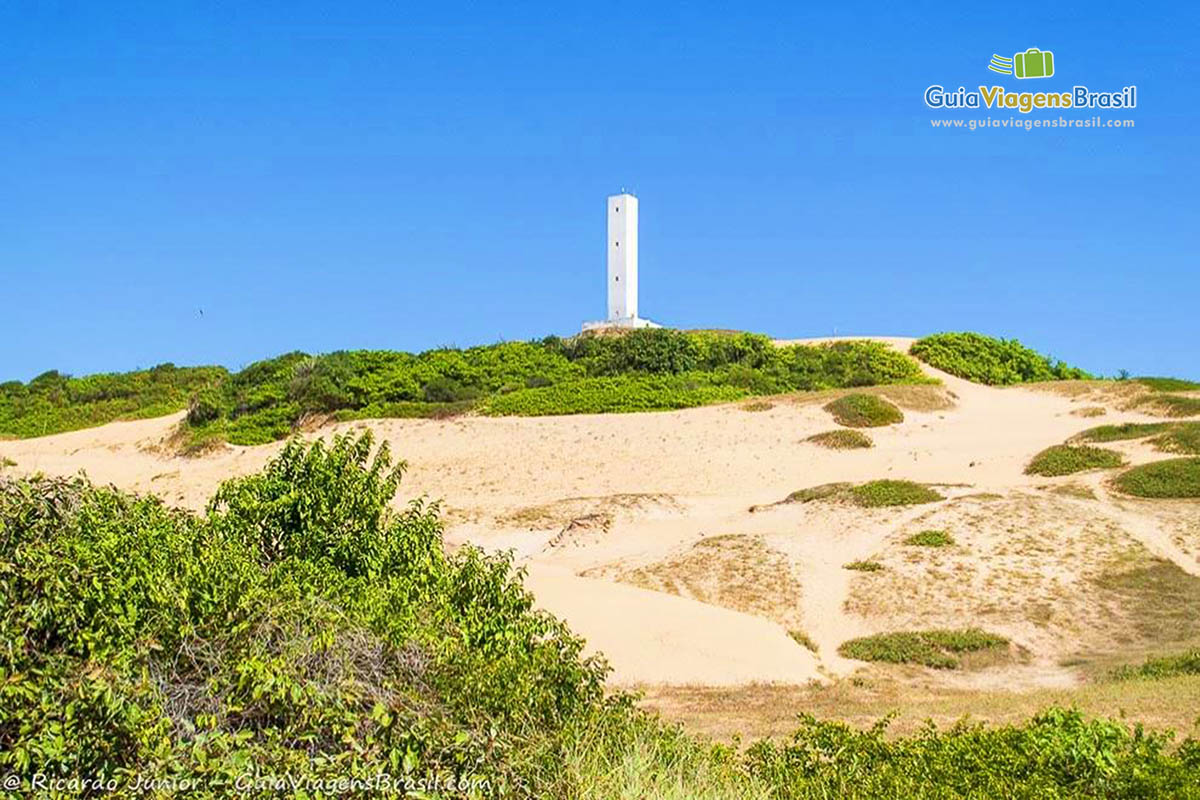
<point x="622" y="271"/>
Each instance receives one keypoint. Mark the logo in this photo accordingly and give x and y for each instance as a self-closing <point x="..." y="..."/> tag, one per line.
<point x="1033" y="63"/>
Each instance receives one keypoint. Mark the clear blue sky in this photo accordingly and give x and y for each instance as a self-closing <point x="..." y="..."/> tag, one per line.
<point x="323" y="176"/>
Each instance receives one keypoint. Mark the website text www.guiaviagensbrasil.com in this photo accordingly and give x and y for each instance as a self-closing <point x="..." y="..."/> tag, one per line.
<point x="1026" y="124"/>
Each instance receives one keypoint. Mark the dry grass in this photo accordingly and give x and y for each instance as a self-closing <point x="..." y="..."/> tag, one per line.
<point x="842" y="440"/>
<point x="561" y="513"/>
<point x="757" y="405"/>
<point x="1026" y="567"/>
<point x="922" y="397"/>
<point x="734" y="571"/>
<point x="760" y="710"/>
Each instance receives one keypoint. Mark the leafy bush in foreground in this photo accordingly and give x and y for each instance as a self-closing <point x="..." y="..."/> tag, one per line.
<point x="996" y="362"/>
<point x="1173" y="478"/>
<point x="864" y="411"/>
<point x="935" y="648"/>
<point x="302" y="626"/>
<point x="1065" y="459"/>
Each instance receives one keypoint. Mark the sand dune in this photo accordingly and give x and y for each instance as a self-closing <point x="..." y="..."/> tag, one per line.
<point x="622" y="496"/>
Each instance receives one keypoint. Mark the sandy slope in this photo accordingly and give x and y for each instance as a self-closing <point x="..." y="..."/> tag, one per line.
<point x="626" y="499"/>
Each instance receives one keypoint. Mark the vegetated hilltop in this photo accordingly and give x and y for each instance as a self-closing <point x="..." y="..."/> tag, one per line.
<point x="637" y="371"/>
<point x="995" y="362"/>
<point x="55" y="403"/>
<point x="304" y="630"/>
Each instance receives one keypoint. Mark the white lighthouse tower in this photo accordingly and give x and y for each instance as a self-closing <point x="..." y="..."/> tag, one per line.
<point x="622" y="266"/>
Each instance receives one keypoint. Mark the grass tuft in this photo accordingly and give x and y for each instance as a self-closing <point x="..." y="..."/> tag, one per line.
<point x="842" y="440"/>
<point x="864" y="411"/>
<point x="930" y="539"/>
<point x="1169" y="384"/>
<point x="803" y="639"/>
<point x="1065" y="459"/>
<point x="940" y="649"/>
<point x="1187" y="663"/>
<point x="863" y="566"/>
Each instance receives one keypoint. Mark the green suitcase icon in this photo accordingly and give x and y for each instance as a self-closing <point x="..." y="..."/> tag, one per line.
<point x="1034" y="63"/>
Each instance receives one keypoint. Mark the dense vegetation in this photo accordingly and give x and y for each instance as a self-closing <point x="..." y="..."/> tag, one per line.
<point x="859" y="410"/>
<point x="1173" y="478"/>
<point x="1123" y="432"/>
<point x="53" y="403"/>
<point x="636" y="371"/>
<point x="842" y="440"/>
<point x="996" y="362"/>
<point x="303" y="630"/>
<point x="941" y="649"/>
<point x="1066" y="459"/>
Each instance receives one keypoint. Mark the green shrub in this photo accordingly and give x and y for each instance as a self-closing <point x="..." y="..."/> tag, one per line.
<point x="864" y="411"/>
<point x="863" y="566"/>
<point x="842" y="440"/>
<point x="55" y="403"/>
<point x="1163" y="667"/>
<point x="893" y="493"/>
<point x="1176" y="477"/>
<point x="935" y="648"/>
<point x="996" y="362"/>
<point x="1065" y="459"/>
<point x="930" y="539"/>
<point x="301" y="626"/>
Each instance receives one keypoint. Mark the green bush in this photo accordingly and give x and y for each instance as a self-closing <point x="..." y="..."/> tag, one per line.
<point x="935" y="648"/>
<point x="876" y="494"/>
<point x="1176" y="477"/>
<point x="842" y="440"/>
<point x="930" y="539"/>
<point x="302" y="626"/>
<point x="55" y="403"/>
<point x="1058" y="754"/>
<point x="1065" y="459"/>
<point x="996" y="362"/>
<point x="864" y="411"/>
<point x="1163" y="667"/>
